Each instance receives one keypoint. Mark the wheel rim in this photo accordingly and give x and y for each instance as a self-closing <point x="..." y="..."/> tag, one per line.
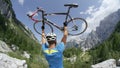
<point x="49" y="28"/>
<point x="77" y="19"/>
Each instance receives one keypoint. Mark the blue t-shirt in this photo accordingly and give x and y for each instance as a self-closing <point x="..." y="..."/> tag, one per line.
<point x="54" y="56"/>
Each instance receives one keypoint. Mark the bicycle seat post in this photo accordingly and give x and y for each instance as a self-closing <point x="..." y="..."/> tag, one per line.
<point x="70" y="6"/>
<point x="68" y="11"/>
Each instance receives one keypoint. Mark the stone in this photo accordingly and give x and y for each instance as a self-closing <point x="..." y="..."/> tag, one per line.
<point x="4" y="47"/>
<point x="111" y="63"/>
<point x="14" y="47"/>
<point x="9" y="62"/>
<point x="26" y="55"/>
<point x="118" y="62"/>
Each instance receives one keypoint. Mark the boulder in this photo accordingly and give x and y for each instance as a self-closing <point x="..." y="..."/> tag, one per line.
<point x="118" y="63"/>
<point x="9" y="62"/>
<point x="111" y="63"/>
<point x="14" y="47"/>
<point x="4" y="47"/>
<point x="26" y="55"/>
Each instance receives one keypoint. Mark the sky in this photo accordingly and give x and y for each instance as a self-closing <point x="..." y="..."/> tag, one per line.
<point x="92" y="10"/>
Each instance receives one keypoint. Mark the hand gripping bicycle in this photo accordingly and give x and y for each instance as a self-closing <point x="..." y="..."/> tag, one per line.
<point x="76" y="26"/>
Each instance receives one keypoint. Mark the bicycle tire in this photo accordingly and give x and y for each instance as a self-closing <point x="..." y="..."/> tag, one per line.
<point x="71" y="21"/>
<point x="34" y="26"/>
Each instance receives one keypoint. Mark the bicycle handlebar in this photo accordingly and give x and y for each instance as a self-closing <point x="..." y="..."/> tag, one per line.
<point x="34" y="13"/>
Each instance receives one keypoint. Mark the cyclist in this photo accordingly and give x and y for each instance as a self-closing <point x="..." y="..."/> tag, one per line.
<point x="53" y="52"/>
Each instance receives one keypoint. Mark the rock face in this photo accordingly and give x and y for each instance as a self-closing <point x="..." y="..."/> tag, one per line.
<point x="111" y="63"/>
<point x="9" y="62"/>
<point x="4" y="47"/>
<point x="75" y="41"/>
<point x="102" y="32"/>
<point x="7" y="11"/>
<point x="72" y="43"/>
<point x="90" y="41"/>
<point x="107" y="25"/>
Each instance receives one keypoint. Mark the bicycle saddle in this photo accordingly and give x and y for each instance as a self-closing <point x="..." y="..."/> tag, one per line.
<point x="71" y="5"/>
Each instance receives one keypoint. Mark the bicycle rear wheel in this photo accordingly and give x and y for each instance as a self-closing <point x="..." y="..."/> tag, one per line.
<point x="77" y="26"/>
<point x="37" y="28"/>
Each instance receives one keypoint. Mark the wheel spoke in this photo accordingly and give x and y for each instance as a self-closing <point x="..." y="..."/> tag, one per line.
<point x="77" y="26"/>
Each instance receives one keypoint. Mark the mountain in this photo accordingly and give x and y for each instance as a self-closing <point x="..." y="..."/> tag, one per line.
<point x="75" y="41"/>
<point x="12" y="31"/>
<point x="16" y="39"/>
<point x="108" y="49"/>
<point x="103" y="31"/>
<point x="7" y="11"/>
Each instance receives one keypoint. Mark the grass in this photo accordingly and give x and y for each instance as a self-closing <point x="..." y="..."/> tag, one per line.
<point x="35" y="61"/>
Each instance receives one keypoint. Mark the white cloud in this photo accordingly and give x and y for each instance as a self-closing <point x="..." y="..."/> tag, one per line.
<point x="90" y="10"/>
<point x="97" y="14"/>
<point x="21" y="2"/>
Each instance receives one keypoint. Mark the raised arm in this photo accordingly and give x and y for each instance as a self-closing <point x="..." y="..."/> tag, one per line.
<point x="43" y="36"/>
<point x="65" y="34"/>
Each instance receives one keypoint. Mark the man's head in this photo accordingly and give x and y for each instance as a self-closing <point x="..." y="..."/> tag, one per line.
<point x="51" y="38"/>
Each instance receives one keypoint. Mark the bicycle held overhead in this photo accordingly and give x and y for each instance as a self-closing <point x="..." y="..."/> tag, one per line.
<point x="76" y="26"/>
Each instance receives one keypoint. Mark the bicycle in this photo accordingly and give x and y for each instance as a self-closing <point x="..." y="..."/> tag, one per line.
<point x="74" y="28"/>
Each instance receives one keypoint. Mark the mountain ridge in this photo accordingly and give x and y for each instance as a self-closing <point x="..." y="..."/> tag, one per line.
<point x="107" y="26"/>
<point x="7" y="12"/>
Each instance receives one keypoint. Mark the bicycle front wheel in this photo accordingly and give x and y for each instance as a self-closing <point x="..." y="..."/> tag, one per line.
<point x="77" y="26"/>
<point x="37" y="28"/>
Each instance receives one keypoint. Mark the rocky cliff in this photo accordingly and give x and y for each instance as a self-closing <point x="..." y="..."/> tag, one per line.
<point x="7" y="11"/>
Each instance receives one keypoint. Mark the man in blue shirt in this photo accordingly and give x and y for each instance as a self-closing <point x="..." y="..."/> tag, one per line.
<point x="53" y="52"/>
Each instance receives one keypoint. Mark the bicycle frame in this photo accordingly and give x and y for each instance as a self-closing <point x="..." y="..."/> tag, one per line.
<point x="45" y="20"/>
<point x="67" y="20"/>
<point x="55" y="25"/>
